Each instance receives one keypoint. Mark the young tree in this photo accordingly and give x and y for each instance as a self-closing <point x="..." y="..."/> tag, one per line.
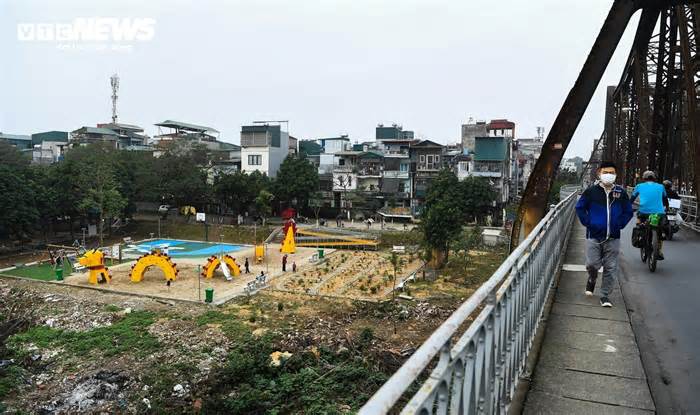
<point x="476" y="197"/>
<point x="97" y="184"/>
<point x="296" y="180"/>
<point x="443" y="217"/>
<point x="263" y="204"/>
<point x="17" y="204"/>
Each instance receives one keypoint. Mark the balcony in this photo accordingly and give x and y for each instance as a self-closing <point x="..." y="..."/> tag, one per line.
<point x="429" y="166"/>
<point x="347" y="168"/>
<point x="369" y="172"/>
<point x="395" y="174"/>
<point x="486" y="174"/>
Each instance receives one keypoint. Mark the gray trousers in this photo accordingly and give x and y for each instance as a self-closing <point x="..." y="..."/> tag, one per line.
<point x="606" y="255"/>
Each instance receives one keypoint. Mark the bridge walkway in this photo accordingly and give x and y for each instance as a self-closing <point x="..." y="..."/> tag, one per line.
<point x="590" y="361"/>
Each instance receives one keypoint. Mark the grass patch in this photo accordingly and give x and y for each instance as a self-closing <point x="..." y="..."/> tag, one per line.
<point x="303" y="384"/>
<point x="130" y="334"/>
<point x="10" y="378"/>
<point x="229" y="323"/>
<point x="406" y="238"/>
<point x="111" y="308"/>
<point x="44" y="272"/>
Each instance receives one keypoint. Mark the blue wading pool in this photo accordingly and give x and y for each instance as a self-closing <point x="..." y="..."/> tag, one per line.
<point x="179" y="248"/>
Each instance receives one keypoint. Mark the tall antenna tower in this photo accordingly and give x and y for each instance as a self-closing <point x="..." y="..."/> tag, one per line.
<point x="114" y="81"/>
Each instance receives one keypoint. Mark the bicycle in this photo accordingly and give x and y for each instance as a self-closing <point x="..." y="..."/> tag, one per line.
<point x="650" y="246"/>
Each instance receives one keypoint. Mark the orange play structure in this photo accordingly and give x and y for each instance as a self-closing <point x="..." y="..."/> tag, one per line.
<point x="155" y="259"/>
<point x="94" y="261"/>
<point x="214" y="262"/>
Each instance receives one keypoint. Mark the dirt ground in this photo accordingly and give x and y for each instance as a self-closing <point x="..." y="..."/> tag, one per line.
<point x="188" y="285"/>
<point x="366" y="275"/>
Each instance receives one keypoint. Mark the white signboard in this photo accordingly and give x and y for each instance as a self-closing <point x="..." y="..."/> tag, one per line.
<point x="674" y="203"/>
<point x="344" y="181"/>
<point x="115" y="251"/>
<point x="200" y="217"/>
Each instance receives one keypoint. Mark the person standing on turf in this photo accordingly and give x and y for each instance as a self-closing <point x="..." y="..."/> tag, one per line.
<point x="604" y="209"/>
<point x="284" y="263"/>
<point x="247" y="266"/>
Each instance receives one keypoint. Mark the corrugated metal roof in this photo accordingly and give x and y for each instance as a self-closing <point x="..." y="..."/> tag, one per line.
<point x="186" y="126"/>
<point x="15" y="136"/>
<point x="95" y="130"/>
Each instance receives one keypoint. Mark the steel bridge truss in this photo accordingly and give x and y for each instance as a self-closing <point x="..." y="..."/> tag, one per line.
<point x="652" y="117"/>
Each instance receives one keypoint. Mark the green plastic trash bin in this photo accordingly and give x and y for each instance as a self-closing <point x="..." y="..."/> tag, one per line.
<point x="59" y="274"/>
<point x="320" y="254"/>
<point x="209" y="295"/>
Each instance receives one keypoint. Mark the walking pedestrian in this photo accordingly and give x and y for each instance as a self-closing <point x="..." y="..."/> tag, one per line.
<point x="604" y="209"/>
<point x="247" y="266"/>
<point x="294" y="266"/>
<point x="284" y="263"/>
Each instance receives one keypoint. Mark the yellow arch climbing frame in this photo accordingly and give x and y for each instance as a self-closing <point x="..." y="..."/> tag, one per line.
<point x="159" y="260"/>
<point x="214" y="262"/>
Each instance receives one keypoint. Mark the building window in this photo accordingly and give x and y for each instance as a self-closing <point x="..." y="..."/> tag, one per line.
<point x="402" y="187"/>
<point x="341" y="162"/>
<point x="422" y="158"/>
<point x="403" y="167"/>
<point x="430" y="158"/>
<point x="437" y="159"/>
<point x="254" y="160"/>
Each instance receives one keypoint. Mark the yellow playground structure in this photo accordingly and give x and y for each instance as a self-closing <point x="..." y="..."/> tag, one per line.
<point x="94" y="261"/>
<point x="214" y="262"/>
<point x="332" y="239"/>
<point x="288" y="245"/>
<point x="164" y="262"/>
<point x="259" y="253"/>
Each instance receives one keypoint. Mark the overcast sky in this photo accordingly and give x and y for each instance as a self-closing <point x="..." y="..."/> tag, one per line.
<point x="330" y="67"/>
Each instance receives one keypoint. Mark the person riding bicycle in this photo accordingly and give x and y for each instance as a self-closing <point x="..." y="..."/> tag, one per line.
<point x="652" y="200"/>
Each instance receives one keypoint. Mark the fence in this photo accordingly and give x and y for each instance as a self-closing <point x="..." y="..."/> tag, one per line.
<point x="479" y="373"/>
<point x="689" y="212"/>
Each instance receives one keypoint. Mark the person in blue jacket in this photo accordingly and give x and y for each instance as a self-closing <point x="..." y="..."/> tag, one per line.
<point x="604" y="209"/>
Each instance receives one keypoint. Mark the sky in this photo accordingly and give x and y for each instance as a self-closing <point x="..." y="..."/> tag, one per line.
<point x="329" y="67"/>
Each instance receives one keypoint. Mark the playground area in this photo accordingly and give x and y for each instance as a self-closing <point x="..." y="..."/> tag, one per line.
<point x="181" y="277"/>
<point x="350" y="274"/>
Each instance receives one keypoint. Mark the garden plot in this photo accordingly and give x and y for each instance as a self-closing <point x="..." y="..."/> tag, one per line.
<point x="354" y="274"/>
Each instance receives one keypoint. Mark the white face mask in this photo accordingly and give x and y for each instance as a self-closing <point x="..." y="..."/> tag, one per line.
<point x="608" y="178"/>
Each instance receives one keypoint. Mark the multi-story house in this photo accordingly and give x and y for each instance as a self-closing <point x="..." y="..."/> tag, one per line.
<point x="426" y="161"/>
<point x="263" y="148"/>
<point x="492" y="161"/>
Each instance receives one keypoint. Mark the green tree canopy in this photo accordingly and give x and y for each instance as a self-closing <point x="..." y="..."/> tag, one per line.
<point x="296" y="180"/>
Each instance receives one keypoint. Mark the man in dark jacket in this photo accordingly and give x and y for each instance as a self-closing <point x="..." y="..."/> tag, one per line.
<point x="604" y="209"/>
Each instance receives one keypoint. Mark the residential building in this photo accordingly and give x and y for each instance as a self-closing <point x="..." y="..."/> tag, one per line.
<point x="263" y="148"/>
<point x="88" y="135"/>
<point x="463" y="166"/>
<point x="49" y="146"/>
<point x="426" y="156"/>
<point x="572" y="165"/>
<point x="329" y="147"/>
<point x="394" y="132"/>
<point x="470" y="131"/>
<point x="293" y="146"/>
<point x="492" y="161"/>
<point x="526" y="153"/>
<point x="130" y="137"/>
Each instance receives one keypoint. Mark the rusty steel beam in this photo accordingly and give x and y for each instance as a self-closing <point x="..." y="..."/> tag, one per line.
<point x="688" y="30"/>
<point x="534" y="201"/>
<point x="643" y="120"/>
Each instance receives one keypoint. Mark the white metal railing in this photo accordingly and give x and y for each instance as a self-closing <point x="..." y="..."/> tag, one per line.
<point x="689" y="212"/>
<point x="479" y="372"/>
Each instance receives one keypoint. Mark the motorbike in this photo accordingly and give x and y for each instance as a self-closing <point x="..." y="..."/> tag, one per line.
<point x="673" y="220"/>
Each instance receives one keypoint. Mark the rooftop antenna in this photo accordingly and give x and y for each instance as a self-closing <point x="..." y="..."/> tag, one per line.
<point x="114" y="81"/>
